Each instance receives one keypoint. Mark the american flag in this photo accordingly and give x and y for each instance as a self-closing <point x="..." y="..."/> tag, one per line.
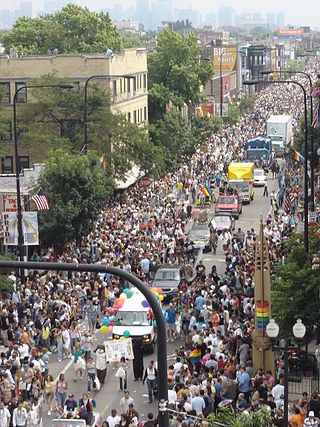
<point x="41" y="201"/>
<point x="288" y="202"/>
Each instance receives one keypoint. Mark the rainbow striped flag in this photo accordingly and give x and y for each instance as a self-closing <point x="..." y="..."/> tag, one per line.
<point x="195" y="355"/>
<point x="102" y="162"/>
<point x="205" y="190"/>
<point x="229" y="98"/>
<point x="298" y="157"/>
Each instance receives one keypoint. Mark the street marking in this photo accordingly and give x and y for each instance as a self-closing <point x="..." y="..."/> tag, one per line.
<point x="105" y="409"/>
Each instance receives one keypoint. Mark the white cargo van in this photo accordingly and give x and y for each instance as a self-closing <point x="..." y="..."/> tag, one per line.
<point x="135" y="318"/>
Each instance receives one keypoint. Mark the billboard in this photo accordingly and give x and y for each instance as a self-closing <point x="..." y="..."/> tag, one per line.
<point x="29" y="228"/>
<point x="228" y="56"/>
<point x="290" y="32"/>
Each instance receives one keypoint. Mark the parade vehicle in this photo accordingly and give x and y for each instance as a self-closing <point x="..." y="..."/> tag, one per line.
<point x="76" y="422"/>
<point x="169" y="278"/>
<point x="135" y="316"/>
<point x="222" y="222"/>
<point x="281" y="125"/>
<point x="277" y="146"/>
<point x="231" y="204"/>
<point x="259" y="151"/>
<point x="240" y="178"/>
<point x="259" y="177"/>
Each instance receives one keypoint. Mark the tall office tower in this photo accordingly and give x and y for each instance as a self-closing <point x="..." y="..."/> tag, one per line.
<point x="271" y="19"/>
<point x="26" y="9"/>
<point x="161" y="12"/>
<point x="225" y="16"/>
<point x="281" y="20"/>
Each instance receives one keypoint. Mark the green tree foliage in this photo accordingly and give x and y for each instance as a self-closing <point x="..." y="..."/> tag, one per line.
<point x="5" y="121"/>
<point x="203" y="128"/>
<point x="56" y="120"/>
<point x="295" y="289"/>
<point x="233" y="114"/>
<point x="246" y="103"/>
<point x="77" y="190"/>
<point x="260" y="418"/>
<point x="130" y="39"/>
<point x="6" y="284"/>
<point x="73" y="29"/>
<point x="175" y="69"/>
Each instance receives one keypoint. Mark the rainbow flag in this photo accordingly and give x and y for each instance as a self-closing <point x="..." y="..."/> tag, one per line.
<point x="298" y="157"/>
<point x="205" y="190"/>
<point x="195" y="356"/>
<point x="102" y="162"/>
<point x="228" y="98"/>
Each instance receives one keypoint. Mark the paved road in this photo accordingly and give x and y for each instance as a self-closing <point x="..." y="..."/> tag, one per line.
<point x="109" y="396"/>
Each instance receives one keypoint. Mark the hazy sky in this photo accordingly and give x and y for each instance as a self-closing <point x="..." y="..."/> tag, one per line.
<point x="298" y="12"/>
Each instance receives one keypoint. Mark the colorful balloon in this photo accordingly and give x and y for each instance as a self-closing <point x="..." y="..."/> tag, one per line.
<point x="161" y="297"/>
<point x="105" y="322"/>
<point x="126" y="334"/>
<point x="145" y="303"/>
<point x="111" y="318"/>
<point x="122" y="338"/>
<point x="123" y="297"/>
<point x="130" y="293"/>
<point x="104" y="329"/>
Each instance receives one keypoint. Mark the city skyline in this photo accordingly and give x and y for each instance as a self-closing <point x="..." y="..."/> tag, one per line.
<point x="295" y="12"/>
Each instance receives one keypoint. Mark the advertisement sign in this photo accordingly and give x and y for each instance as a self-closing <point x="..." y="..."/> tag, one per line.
<point x="115" y="349"/>
<point x="287" y="32"/>
<point x="228" y="56"/>
<point x="29" y="228"/>
<point x="10" y="203"/>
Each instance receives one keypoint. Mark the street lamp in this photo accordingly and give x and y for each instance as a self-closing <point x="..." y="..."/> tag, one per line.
<point x="255" y="82"/>
<point x="299" y="331"/>
<point x="20" y="231"/>
<point x="98" y="76"/>
<point x="311" y="127"/>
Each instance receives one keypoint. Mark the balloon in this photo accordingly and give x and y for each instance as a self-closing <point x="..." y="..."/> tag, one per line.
<point x="110" y="328"/>
<point x="115" y="310"/>
<point x="122" y="338"/>
<point x="145" y="303"/>
<point x="105" y="322"/>
<point x="161" y="298"/>
<point x="125" y="291"/>
<point x="116" y="301"/>
<point x="120" y="304"/>
<point x="126" y="334"/>
<point x="123" y="297"/>
<point x="111" y="318"/>
<point x="160" y="291"/>
<point x="130" y="293"/>
<point x="104" y="329"/>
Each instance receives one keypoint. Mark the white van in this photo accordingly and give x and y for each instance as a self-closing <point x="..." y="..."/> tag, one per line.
<point x="133" y="317"/>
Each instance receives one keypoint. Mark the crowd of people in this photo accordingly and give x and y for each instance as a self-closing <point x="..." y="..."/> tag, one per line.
<point x="214" y="313"/>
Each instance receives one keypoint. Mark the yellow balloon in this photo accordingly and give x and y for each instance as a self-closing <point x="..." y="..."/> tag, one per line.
<point x="123" y="297"/>
<point x="122" y="338"/>
<point x="161" y="297"/>
<point x="104" y="329"/>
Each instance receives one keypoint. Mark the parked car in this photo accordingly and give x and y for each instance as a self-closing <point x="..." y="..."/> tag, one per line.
<point x="200" y="235"/>
<point x="229" y="204"/>
<point x="169" y="279"/>
<point x="221" y="222"/>
<point x="259" y="177"/>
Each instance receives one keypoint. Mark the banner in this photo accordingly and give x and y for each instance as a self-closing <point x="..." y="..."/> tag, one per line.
<point x="29" y="228"/>
<point x="228" y="56"/>
<point x="10" y="203"/>
<point x="115" y="349"/>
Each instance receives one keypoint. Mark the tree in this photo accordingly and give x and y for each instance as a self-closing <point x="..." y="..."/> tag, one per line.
<point x="246" y="103"/>
<point x="77" y="190"/>
<point x="72" y="29"/>
<point x="300" y="136"/>
<point x="175" y="67"/>
<point x="295" y="282"/>
<point x="233" y="114"/>
<point x="203" y="127"/>
<point x="261" y="418"/>
<point x="56" y="120"/>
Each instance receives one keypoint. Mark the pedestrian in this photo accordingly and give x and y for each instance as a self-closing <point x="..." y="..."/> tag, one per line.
<point x="101" y="363"/>
<point x="151" y="375"/>
<point x="123" y="369"/>
<point x="61" y="390"/>
<point x="86" y="407"/>
<point x="171" y="321"/>
<point x="36" y="413"/>
<point x="91" y="372"/>
<point x="78" y="362"/>
<point x="113" y="419"/>
<point x="125" y="401"/>
<point x="48" y="392"/>
<point x="137" y="359"/>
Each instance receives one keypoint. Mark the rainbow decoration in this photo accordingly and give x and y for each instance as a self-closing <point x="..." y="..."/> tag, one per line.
<point x="195" y="355"/>
<point x="205" y="190"/>
<point x="262" y="315"/>
<point x="298" y="157"/>
<point x="102" y="162"/>
<point x="228" y="98"/>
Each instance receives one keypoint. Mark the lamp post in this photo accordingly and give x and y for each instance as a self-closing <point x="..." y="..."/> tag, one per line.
<point x="16" y="154"/>
<point x="299" y="331"/>
<point x="311" y="127"/>
<point x="255" y="82"/>
<point x="101" y="77"/>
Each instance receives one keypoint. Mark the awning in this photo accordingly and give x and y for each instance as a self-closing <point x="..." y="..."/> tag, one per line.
<point x="131" y="177"/>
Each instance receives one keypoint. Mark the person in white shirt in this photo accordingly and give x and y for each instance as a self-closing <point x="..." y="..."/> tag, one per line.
<point x="278" y="392"/>
<point x="113" y="419"/>
<point x="19" y="416"/>
<point x="172" y="396"/>
<point x="4" y="416"/>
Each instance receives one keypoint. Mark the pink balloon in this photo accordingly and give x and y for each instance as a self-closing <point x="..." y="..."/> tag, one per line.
<point x="120" y="304"/>
<point x="110" y="328"/>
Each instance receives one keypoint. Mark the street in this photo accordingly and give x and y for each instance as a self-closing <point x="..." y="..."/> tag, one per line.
<point x="109" y="395"/>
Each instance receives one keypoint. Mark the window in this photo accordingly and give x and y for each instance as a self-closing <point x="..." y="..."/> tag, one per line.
<point x="7" y="164"/>
<point x="134" y="116"/>
<point x="23" y="162"/>
<point x="141" y="115"/>
<point x="6" y="134"/>
<point x="120" y="85"/>
<point x="5" y="93"/>
<point x="114" y="90"/>
<point x="134" y="85"/>
<point x="22" y="95"/>
<point x="129" y="87"/>
<point x="145" y="114"/>
<point x="140" y="81"/>
<point x="138" y="115"/>
<point x="129" y="117"/>
<point x="145" y="82"/>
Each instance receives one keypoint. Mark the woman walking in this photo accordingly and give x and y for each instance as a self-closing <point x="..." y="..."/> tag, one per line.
<point x="61" y="390"/>
<point x="48" y="392"/>
<point x="101" y="363"/>
<point x="123" y="378"/>
<point x="151" y="375"/>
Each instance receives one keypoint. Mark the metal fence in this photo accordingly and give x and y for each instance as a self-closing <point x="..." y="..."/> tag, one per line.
<point x="300" y="384"/>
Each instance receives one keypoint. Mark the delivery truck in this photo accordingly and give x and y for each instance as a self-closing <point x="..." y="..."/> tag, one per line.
<point x="259" y="151"/>
<point x="281" y="125"/>
<point x="240" y="178"/>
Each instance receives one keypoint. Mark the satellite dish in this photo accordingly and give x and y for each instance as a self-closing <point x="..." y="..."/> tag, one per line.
<point x="55" y="51"/>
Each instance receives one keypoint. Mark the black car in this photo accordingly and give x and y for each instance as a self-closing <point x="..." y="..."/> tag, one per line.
<point x="169" y="278"/>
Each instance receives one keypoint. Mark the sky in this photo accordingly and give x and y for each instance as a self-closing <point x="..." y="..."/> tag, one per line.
<point x="298" y="12"/>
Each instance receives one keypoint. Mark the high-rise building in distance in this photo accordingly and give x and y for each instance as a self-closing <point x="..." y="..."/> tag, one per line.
<point x="271" y="19"/>
<point x="281" y="21"/>
<point x="225" y="16"/>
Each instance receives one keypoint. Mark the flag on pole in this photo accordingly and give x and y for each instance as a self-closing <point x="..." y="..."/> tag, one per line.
<point x="298" y="157"/>
<point x="41" y="201"/>
<point x="288" y="202"/>
<point x="205" y="190"/>
<point x="229" y="98"/>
